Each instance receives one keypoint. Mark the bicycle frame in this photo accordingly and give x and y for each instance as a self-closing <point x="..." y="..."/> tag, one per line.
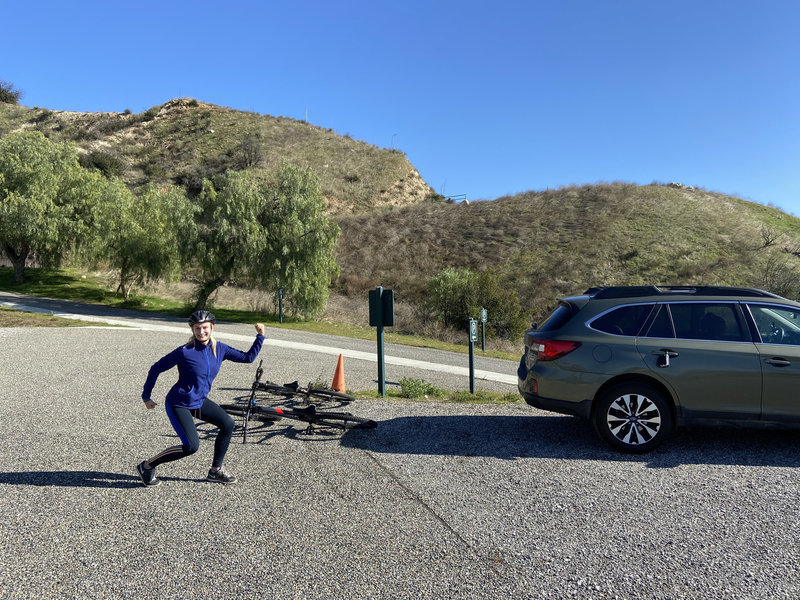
<point x="307" y="414"/>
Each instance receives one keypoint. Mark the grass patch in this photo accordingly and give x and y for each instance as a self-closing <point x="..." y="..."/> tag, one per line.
<point x="10" y="317"/>
<point x="418" y="388"/>
<point x="455" y="396"/>
<point x="484" y="397"/>
<point x="63" y="284"/>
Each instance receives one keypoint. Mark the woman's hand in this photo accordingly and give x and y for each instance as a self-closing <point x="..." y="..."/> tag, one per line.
<point x="150" y="404"/>
<point x="260" y="328"/>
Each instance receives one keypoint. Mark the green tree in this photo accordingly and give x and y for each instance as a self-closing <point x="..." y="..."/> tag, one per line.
<point x="46" y="200"/>
<point x="301" y="240"/>
<point x="143" y="236"/>
<point x="456" y="295"/>
<point x="452" y="294"/>
<point x="266" y="234"/>
<point x="506" y="318"/>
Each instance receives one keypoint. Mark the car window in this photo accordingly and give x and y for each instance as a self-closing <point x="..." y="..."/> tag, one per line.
<point x="776" y="324"/>
<point x="557" y="318"/>
<point x="625" y="320"/>
<point x="662" y="325"/>
<point x="707" y="321"/>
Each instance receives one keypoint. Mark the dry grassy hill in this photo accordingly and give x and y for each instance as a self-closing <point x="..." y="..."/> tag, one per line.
<point x="558" y="242"/>
<point x="184" y="140"/>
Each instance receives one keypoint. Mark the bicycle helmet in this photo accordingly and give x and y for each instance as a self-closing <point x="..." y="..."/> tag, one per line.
<point x="201" y="316"/>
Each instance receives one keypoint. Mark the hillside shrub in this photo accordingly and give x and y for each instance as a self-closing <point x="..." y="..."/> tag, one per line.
<point x="248" y="153"/>
<point x="107" y="163"/>
<point x="8" y="93"/>
<point x="506" y="318"/>
<point x="148" y="115"/>
<point x="193" y="177"/>
<point x="456" y="295"/>
<point x="43" y="117"/>
<point x="452" y="294"/>
<point x="153" y="168"/>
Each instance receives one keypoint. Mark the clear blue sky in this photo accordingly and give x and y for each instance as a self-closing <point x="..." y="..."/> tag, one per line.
<point x="485" y="98"/>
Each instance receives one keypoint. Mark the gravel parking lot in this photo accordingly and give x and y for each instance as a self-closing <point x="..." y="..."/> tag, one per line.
<point x="440" y="501"/>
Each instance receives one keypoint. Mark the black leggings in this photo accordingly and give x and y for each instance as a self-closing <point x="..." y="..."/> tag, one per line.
<point x="182" y="420"/>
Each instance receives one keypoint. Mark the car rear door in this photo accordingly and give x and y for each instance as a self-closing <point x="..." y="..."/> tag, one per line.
<point x="703" y="352"/>
<point x="779" y="350"/>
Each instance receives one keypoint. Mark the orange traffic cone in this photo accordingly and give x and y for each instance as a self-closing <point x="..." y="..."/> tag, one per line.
<point x="338" y="377"/>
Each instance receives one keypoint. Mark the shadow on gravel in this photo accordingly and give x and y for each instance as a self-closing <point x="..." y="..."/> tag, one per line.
<point x="262" y="433"/>
<point x="511" y="437"/>
<point x="94" y="479"/>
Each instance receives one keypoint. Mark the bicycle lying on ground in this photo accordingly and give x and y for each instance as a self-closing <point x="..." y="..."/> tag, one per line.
<point x="295" y="390"/>
<point x="316" y="419"/>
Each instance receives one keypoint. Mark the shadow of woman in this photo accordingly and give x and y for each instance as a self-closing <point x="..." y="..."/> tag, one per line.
<point x="91" y="479"/>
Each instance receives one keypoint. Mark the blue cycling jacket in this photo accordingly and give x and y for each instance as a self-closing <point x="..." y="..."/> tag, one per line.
<point x="197" y="368"/>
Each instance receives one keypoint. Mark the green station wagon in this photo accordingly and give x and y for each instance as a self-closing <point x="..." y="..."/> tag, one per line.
<point x="639" y="361"/>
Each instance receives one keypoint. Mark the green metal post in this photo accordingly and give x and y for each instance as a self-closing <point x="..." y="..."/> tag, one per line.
<point x="378" y="319"/>
<point x="483" y="330"/>
<point x="473" y="336"/>
<point x="381" y="364"/>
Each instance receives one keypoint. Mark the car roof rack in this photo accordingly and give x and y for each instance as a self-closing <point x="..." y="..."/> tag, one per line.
<point x="634" y="291"/>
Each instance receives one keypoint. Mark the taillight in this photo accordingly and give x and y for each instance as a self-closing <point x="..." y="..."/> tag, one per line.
<point x="552" y="349"/>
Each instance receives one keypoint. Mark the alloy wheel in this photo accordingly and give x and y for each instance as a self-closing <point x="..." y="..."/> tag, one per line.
<point x="633" y="419"/>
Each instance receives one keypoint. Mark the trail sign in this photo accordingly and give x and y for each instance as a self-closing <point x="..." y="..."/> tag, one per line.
<point x="381" y="308"/>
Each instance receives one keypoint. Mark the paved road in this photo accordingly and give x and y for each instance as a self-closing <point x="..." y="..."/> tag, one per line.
<point x="440" y="501"/>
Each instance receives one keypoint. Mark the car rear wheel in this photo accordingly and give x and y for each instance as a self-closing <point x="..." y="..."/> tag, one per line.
<point x="633" y="417"/>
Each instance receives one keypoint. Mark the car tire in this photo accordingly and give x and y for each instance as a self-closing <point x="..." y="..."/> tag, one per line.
<point x="633" y="417"/>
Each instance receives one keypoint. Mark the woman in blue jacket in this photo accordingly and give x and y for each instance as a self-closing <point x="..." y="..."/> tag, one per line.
<point x="198" y="363"/>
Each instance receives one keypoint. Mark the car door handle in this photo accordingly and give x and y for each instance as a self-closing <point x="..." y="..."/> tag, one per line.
<point x="778" y="362"/>
<point x="664" y="355"/>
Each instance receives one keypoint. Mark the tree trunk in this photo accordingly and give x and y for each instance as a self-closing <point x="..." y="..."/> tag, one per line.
<point x="127" y="281"/>
<point x="204" y="291"/>
<point x="17" y="259"/>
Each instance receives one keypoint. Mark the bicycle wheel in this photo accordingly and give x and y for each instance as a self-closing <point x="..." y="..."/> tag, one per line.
<point x="240" y="410"/>
<point x="343" y="421"/>
<point x="329" y="395"/>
